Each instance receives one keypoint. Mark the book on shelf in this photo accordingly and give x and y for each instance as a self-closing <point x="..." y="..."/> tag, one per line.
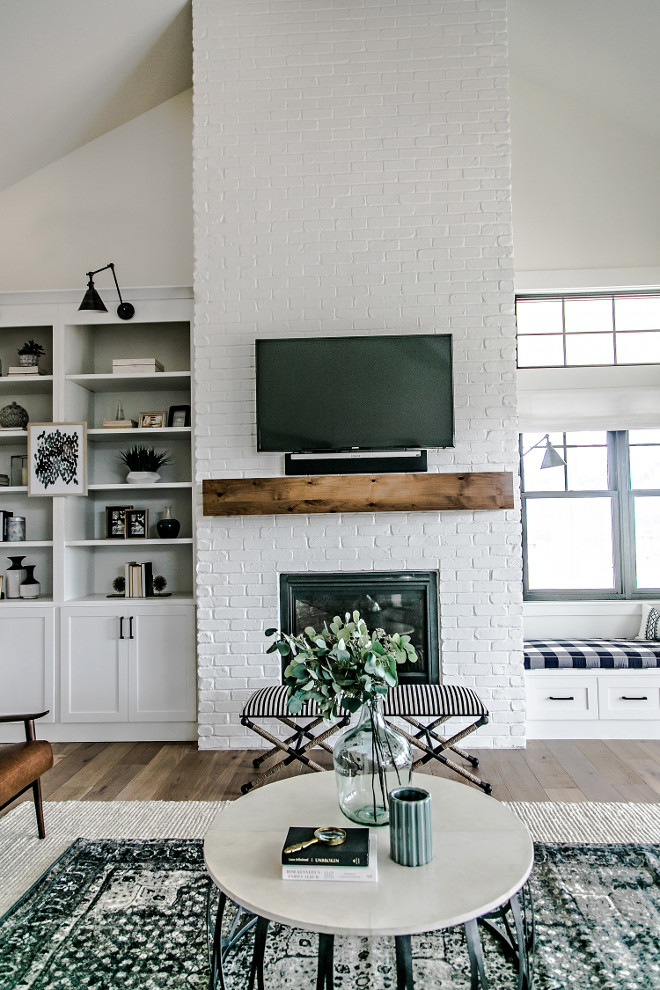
<point x="119" y="424"/>
<point x="138" y="579"/>
<point x="20" y="370"/>
<point x="4" y="481"/>
<point x="330" y="872"/>
<point x="5" y="515"/>
<point x="136" y="365"/>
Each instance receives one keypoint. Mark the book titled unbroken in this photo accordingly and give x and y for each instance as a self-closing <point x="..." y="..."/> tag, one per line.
<point x="354" y="851"/>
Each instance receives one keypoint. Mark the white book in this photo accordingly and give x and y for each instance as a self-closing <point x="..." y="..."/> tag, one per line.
<point x="24" y="370"/>
<point x="345" y="874"/>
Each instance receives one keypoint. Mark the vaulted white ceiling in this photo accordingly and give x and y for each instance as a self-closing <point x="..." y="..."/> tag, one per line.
<point x="70" y="70"/>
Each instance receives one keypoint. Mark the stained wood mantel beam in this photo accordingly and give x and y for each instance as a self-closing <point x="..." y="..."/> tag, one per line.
<point x="358" y="493"/>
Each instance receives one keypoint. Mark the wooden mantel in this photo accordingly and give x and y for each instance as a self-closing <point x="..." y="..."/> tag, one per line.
<point x="358" y="493"/>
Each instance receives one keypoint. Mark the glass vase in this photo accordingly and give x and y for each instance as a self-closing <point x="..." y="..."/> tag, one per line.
<point x="370" y="760"/>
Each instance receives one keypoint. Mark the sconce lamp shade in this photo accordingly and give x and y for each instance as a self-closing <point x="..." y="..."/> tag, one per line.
<point x="93" y="302"/>
<point x="551" y="457"/>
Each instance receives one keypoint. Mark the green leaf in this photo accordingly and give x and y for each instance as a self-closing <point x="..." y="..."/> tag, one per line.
<point x="270" y="632"/>
<point x="284" y="649"/>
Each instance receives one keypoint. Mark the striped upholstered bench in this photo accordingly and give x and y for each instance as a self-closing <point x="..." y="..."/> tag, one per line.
<point x="422" y="708"/>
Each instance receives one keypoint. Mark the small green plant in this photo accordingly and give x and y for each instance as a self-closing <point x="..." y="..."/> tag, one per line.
<point x="138" y="458"/>
<point x="119" y="585"/>
<point x="343" y="664"/>
<point x="160" y="584"/>
<point x="32" y="347"/>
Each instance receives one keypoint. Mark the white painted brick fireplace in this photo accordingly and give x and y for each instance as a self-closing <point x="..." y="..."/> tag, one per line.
<point x="352" y="175"/>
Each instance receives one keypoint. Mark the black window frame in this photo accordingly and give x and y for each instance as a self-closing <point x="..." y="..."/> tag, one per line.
<point x="623" y="524"/>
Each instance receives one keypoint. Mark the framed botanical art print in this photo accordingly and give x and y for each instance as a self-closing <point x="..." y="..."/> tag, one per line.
<point x="57" y="458"/>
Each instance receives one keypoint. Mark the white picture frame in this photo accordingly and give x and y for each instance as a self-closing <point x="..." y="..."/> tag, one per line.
<point x="57" y="459"/>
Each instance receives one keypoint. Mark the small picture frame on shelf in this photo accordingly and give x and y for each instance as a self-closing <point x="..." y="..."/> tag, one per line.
<point x="137" y="524"/>
<point x="115" y="521"/>
<point x="179" y="416"/>
<point x="152" y="420"/>
<point x="18" y="470"/>
<point x="57" y="459"/>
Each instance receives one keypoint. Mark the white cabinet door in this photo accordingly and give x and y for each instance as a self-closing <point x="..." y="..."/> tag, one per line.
<point x="161" y="663"/>
<point x="27" y="661"/>
<point x="94" y="662"/>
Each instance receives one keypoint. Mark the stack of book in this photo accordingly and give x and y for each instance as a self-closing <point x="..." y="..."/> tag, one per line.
<point x="138" y="578"/>
<point x="23" y="370"/>
<point x="136" y="366"/>
<point x="5" y="515"/>
<point x="119" y="424"/>
<point x="4" y="481"/>
<point x="355" y="859"/>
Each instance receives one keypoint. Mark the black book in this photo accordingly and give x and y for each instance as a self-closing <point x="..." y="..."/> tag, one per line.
<point x="353" y="852"/>
<point x="5" y="515"/>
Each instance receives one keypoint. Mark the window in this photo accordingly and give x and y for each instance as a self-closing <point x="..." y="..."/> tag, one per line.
<point x="591" y="528"/>
<point x="577" y="331"/>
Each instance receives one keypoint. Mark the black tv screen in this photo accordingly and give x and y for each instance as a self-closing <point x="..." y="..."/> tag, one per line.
<point x="354" y="393"/>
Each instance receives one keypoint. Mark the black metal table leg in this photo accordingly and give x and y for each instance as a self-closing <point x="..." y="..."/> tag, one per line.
<point x="325" y="970"/>
<point x="257" y="967"/>
<point x="475" y="952"/>
<point x="404" y="974"/>
<point x="217" y="978"/>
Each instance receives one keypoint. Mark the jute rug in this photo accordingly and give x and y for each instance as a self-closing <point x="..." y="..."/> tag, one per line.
<point x="24" y="857"/>
<point x="132" y="914"/>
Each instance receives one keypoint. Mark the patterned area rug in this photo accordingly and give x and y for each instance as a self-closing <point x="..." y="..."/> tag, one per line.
<point x="133" y="914"/>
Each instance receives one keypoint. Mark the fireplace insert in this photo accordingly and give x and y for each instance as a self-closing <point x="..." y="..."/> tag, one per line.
<point x="396" y="601"/>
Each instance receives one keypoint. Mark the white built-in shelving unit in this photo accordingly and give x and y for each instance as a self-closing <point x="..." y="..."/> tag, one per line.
<point x="66" y="536"/>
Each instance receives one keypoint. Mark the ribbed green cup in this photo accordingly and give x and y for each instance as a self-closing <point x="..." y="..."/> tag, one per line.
<point x="411" y="830"/>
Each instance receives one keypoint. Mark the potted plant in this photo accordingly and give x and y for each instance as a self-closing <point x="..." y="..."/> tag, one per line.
<point x="347" y="666"/>
<point x="143" y="464"/>
<point x="29" y="353"/>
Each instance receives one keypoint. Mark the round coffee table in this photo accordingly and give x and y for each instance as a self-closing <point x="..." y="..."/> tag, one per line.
<point x="482" y="857"/>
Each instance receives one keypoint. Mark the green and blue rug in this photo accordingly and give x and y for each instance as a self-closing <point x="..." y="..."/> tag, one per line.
<point x="132" y="915"/>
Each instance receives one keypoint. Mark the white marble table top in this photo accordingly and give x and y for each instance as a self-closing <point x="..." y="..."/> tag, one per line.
<point x="482" y="855"/>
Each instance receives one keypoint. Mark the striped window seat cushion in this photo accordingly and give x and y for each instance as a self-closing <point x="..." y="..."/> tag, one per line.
<point x="587" y="654"/>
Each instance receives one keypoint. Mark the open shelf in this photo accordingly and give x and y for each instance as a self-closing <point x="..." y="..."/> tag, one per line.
<point x="170" y="381"/>
<point x="117" y="544"/>
<point x="139" y="435"/>
<point x="26" y="383"/>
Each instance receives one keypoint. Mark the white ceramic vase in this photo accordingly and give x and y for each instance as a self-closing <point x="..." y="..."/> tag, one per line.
<point x="142" y="477"/>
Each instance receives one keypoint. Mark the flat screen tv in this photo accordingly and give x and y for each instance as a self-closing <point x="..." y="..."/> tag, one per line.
<point x="384" y="392"/>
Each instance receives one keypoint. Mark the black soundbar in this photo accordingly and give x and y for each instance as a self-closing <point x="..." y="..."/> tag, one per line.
<point x="360" y="462"/>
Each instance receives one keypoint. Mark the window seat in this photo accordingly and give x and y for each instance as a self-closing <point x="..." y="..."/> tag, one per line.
<point x="592" y="688"/>
<point x="588" y="654"/>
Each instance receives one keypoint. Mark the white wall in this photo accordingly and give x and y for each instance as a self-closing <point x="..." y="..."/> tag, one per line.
<point x="352" y="175"/>
<point x="125" y="197"/>
<point x="585" y="187"/>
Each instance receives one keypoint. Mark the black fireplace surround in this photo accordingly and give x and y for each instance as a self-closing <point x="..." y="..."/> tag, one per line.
<point x="396" y="601"/>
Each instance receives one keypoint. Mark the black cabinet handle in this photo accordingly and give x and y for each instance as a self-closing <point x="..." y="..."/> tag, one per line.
<point x="130" y="627"/>
<point x="641" y="697"/>
<point x="121" y="627"/>
<point x="569" y="698"/>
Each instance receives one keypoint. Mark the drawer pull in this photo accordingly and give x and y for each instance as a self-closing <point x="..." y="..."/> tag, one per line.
<point x="569" y="698"/>
<point x="641" y="697"/>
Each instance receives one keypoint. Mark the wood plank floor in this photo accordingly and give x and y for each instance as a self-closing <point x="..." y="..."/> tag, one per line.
<point x="552" y="770"/>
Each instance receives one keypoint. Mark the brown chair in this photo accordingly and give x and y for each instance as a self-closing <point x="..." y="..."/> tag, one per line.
<point x="22" y="764"/>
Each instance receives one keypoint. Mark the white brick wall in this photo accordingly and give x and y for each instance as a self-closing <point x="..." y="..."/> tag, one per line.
<point x="351" y="174"/>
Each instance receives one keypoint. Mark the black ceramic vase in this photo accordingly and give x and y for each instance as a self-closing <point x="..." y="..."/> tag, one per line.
<point x="167" y="527"/>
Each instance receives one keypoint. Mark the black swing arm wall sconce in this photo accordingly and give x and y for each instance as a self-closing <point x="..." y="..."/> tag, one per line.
<point x="92" y="300"/>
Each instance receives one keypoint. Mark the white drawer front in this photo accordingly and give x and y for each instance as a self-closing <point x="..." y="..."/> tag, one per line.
<point x="636" y="697"/>
<point x="561" y="696"/>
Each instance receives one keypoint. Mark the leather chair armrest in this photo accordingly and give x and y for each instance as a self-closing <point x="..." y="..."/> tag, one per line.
<point x="27" y="720"/>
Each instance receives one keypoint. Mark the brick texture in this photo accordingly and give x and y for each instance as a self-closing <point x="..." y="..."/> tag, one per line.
<point x="352" y="175"/>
